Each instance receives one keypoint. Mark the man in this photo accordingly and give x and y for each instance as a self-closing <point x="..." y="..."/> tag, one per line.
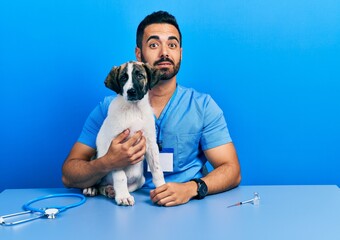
<point x="187" y="122"/>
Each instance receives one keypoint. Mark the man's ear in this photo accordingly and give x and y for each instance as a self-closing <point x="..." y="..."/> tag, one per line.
<point x="138" y="53"/>
<point x="112" y="82"/>
<point x="153" y="75"/>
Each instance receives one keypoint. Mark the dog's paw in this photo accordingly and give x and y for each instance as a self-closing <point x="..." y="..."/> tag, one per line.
<point x="123" y="200"/>
<point x="91" y="192"/>
<point x="107" y="191"/>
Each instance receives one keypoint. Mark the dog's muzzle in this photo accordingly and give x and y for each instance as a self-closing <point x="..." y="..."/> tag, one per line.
<point x="132" y="95"/>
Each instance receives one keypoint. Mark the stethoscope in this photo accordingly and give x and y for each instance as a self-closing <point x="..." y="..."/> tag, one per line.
<point x="49" y="212"/>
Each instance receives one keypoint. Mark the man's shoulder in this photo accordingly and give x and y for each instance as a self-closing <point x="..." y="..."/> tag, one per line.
<point x="192" y="92"/>
<point x="202" y="102"/>
<point x="105" y="103"/>
<point x="108" y="99"/>
<point x="192" y="95"/>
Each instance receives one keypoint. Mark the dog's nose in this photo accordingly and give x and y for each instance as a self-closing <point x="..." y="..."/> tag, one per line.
<point x="132" y="91"/>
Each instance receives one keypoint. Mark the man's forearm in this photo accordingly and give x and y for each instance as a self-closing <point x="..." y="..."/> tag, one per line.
<point x="78" y="173"/>
<point x="223" y="178"/>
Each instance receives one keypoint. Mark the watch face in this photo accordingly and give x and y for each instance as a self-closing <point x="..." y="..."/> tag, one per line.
<point x="203" y="189"/>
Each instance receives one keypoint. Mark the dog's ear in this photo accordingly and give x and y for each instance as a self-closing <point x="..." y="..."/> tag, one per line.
<point x="153" y="75"/>
<point x="112" y="81"/>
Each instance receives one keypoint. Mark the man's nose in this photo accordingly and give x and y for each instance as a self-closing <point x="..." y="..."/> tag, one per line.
<point x="164" y="51"/>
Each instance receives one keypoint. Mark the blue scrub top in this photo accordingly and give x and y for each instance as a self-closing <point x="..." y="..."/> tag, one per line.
<point x="190" y="123"/>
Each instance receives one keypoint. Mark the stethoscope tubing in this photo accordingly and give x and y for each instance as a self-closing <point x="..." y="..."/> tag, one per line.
<point x="27" y="206"/>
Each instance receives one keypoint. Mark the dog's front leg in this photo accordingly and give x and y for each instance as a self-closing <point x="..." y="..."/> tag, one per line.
<point x="152" y="158"/>
<point x="120" y="186"/>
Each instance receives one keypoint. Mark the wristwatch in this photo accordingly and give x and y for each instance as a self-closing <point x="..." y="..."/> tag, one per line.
<point x="202" y="188"/>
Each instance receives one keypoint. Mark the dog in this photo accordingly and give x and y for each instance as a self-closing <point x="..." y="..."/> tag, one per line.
<point x="131" y="109"/>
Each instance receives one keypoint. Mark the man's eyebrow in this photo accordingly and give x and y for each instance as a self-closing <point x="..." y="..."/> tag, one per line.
<point x="173" y="38"/>
<point x="158" y="38"/>
<point x="153" y="37"/>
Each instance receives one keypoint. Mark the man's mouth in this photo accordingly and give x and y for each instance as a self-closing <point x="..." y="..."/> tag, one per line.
<point x="164" y="62"/>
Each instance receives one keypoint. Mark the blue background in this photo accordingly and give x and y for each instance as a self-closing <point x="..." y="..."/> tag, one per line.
<point x="272" y="66"/>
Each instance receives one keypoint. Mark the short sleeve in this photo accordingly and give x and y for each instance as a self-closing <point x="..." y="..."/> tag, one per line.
<point x="93" y="123"/>
<point x="215" y="130"/>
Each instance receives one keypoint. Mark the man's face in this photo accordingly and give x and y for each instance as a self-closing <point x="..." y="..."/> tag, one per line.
<point x="161" y="49"/>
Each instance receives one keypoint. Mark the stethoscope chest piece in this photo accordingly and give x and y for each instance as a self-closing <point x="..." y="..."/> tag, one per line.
<point x="51" y="212"/>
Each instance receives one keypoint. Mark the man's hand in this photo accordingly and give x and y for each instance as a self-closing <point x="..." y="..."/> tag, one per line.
<point x="80" y="172"/>
<point x="123" y="152"/>
<point x="172" y="194"/>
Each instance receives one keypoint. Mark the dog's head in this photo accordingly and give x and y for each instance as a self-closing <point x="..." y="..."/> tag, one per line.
<point x="132" y="80"/>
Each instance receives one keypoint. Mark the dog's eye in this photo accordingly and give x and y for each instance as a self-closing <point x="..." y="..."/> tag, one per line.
<point x="124" y="77"/>
<point x="140" y="76"/>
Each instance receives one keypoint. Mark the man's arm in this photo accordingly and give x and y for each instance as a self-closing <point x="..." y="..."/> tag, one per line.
<point x="226" y="175"/>
<point x="80" y="172"/>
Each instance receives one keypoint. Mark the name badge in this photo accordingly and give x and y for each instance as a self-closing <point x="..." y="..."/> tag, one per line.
<point x="166" y="160"/>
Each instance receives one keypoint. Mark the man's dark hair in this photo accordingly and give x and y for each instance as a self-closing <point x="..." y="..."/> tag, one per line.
<point x="156" y="17"/>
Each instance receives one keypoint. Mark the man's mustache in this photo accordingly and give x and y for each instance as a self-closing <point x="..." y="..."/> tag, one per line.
<point x="164" y="60"/>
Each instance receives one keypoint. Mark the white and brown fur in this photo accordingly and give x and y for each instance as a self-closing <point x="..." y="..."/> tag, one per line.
<point x="129" y="110"/>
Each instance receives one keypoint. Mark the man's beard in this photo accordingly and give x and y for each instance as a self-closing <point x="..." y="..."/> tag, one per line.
<point x="166" y="73"/>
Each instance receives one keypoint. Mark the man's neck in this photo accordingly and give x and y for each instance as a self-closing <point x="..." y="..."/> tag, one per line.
<point x="161" y="94"/>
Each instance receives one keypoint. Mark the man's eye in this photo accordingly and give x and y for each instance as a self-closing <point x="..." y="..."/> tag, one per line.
<point x="153" y="45"/>
<point x="172" y="45"/>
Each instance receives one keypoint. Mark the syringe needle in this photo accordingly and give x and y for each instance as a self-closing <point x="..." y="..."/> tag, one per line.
<point x="236" y="204"/>
<point x="240" y="203"/>
<point x="254" y="201"/>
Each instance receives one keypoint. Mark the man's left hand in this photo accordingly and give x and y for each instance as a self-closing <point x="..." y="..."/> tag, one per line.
<point x="172" y="194"/>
